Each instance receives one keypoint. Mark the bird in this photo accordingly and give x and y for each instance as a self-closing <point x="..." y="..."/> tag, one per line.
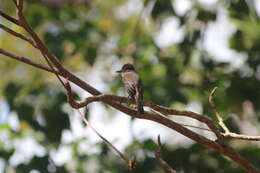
<point x="133" y="85"/>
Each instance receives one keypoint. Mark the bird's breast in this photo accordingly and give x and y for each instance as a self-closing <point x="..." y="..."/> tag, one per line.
<point x="130" y="78"/>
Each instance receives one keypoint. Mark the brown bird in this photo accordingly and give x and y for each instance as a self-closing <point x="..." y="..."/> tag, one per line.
<point x="133" y="85"/>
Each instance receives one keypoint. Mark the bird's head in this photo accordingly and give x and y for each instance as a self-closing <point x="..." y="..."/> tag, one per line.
<point x="126" y="67"/>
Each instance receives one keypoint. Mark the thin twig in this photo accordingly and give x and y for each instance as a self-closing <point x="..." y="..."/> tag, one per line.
<point x="196" y="127"/>
<point x="26" y="61"/>
<point x="103" y="138"/>
<point x="183" y="124"/>
<point x="129" y="162"/>
<point x="242" y="137"/>
<point x="16" y="34"/>
<point x="213" y="106"/>
<point x="9" y="18"/>
<point x="167" y="168"/>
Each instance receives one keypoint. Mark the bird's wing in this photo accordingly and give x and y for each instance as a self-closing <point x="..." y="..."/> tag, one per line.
<point x="130" y="80"/>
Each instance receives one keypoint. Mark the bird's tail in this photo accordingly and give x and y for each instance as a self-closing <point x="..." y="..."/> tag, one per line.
<point x="140" y="109"/>
<point x="138" y="100"/>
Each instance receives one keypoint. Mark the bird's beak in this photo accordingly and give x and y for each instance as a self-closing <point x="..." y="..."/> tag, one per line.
<point x="119" y="71"/>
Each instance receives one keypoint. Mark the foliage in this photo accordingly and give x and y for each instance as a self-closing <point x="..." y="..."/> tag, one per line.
<point x="83" y="34"/>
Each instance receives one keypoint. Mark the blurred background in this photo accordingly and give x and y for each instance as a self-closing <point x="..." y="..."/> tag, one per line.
<point x="181" y="49"/>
